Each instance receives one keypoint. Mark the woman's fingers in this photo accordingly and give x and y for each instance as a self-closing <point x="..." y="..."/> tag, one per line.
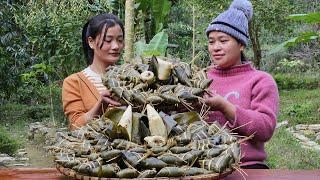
<point x="105" y="93"/>
<point x="214" y="101"/>
<point x="206" y="96"/>
<point x="110" y="101"/>
<point x="210" y="93"/>
<point x="208" y="101"/>
<point x="105" y="97"/>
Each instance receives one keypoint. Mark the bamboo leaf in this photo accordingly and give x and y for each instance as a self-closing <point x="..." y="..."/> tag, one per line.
<point x="142" y="5"/>
<point x="304" y="37"/>
<point x="140" y="47"/>
<point x="160" y="10"/>
<point x="159" y="42"/>
<point x="157" y="46"/>
<point x="307" y="18"/>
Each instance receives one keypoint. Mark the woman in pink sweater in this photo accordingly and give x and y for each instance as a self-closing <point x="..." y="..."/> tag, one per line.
<point x="241" y="95"/>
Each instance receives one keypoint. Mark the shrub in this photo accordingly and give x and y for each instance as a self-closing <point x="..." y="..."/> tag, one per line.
<point x="7" y="144"/>
<point x="18" y="112"/>
<point x="296" y="81"/>
<point x="299" y="110"/>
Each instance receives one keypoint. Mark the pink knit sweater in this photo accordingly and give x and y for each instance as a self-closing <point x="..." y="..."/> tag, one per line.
<point x="255" y="95"/>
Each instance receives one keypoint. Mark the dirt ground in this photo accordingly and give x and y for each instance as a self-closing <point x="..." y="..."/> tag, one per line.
<point x="38" y="157"/>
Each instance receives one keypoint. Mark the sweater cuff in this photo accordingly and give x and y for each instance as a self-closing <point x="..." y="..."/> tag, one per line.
<point x="239" y="115"/>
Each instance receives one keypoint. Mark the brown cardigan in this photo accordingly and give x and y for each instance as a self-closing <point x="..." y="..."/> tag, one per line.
<point x="78" y="96"/>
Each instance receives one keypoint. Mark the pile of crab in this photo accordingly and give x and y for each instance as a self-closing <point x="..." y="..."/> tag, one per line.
<point x="145" y="140"/>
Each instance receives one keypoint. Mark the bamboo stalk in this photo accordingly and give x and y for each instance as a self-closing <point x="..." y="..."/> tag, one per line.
<point x="129" y="31"/>
<point x="51" y="105"/>
<point x="193" y="31"/>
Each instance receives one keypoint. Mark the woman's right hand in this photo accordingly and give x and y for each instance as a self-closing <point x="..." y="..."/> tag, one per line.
<point x="103" y="102"/>
<point x="218" y="103"/>
<point x="215" y="101"/>
<point x="106" y="100"/>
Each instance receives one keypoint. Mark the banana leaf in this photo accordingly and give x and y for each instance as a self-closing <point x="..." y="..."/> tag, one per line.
<point x="114" y="114"/>
<point x="186" y="118"/>
<point x="136" y="134"/>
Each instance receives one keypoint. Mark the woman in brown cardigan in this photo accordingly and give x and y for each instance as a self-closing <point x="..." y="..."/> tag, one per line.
<point x="83" y="94"/>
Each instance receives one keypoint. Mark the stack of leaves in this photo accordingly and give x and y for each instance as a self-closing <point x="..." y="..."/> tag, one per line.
<point x="126" y="144"/>
<point x="157" y="82"/>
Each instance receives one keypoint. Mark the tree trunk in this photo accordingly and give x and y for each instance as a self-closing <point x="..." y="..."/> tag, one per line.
<point x="193" y="31"/>
<point x="148" y="25"/>
<point x="129" y="31"/>
<point x="254" y="37"/>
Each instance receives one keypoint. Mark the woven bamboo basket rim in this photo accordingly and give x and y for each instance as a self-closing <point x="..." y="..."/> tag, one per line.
<point x="71" y="173"/>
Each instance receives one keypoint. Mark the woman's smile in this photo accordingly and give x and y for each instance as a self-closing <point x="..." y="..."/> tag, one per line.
<point x="218" y="56"/>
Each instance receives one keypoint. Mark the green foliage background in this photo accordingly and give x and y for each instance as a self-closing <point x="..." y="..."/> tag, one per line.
<point x="40" y="44"/>
<point x="8" y="144"/>
<point x="47" y="32"/>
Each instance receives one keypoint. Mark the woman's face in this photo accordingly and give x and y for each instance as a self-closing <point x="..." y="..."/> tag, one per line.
<point x="224" y="50"/>
<point x="112" y="45"/>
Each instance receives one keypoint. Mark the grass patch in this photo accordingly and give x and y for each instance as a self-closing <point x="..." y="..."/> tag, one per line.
<point x="285" y="152"/>
<point x="8" y="144"/>
<point x="18" y="131"/>
<point x="299" y="106"/>
<point x="15" y="118"/>
<point x="11" y="113"/>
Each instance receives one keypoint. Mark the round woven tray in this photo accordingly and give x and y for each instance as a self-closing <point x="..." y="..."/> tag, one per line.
<point x="75" y="175"/>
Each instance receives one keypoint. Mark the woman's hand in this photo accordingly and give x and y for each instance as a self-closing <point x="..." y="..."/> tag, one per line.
<point x="218" y="103"/>
<point x="215" y="101"/>
<point x="106" y="100"/>
<point x="103" y="102"/>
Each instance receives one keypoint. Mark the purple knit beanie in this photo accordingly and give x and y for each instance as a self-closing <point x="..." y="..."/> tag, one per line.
<point x="234" y="21"/>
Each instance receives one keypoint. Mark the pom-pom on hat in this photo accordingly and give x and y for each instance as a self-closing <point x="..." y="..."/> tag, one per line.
<point x="234" y="21"/>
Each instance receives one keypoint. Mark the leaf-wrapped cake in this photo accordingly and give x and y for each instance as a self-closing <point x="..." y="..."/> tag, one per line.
<point x="159" y="132"/>
<point x="157" y="82"/>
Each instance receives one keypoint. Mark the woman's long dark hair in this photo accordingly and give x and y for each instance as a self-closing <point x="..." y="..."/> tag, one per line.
<point x="94" y="27"/>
